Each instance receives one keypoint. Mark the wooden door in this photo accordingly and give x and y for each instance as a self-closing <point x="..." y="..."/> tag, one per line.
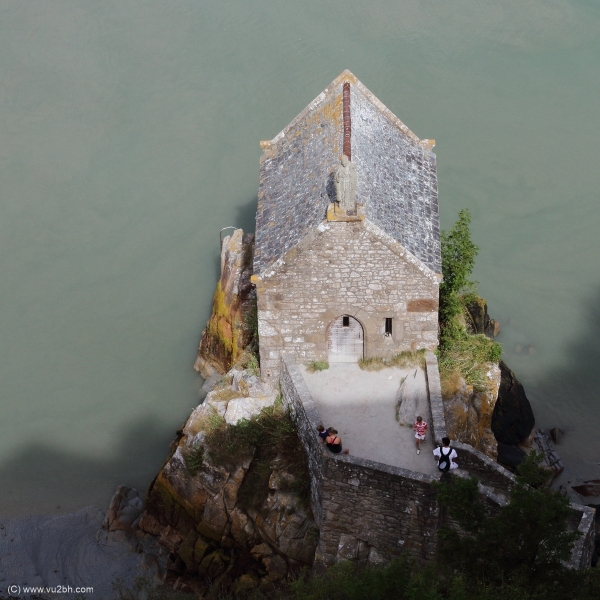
<point x="345" y="340"/>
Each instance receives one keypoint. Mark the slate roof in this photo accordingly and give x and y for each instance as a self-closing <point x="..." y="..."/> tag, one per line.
<point x="396" y="176"/>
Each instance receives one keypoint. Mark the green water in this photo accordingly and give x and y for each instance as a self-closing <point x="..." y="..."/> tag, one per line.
<point x="129" y="136"/>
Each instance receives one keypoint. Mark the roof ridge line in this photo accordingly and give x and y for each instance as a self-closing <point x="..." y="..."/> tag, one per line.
<point x="348" y="76"/>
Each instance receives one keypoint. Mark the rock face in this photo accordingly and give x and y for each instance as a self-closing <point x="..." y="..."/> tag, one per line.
<point x="479" y="321"/>
<point x="469" y="413"/>
<point x="229" y="329"/>
<point x="236" y="526"/>
<point x="512" y="420"/>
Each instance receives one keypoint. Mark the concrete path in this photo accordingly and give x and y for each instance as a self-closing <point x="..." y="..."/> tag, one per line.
<point x="361" y="405"/>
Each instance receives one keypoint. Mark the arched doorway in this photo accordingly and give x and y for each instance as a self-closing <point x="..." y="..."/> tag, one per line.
<point x="345" y="340"/>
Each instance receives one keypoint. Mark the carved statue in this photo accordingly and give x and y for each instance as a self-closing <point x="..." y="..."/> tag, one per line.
<point x="345" y="185"/>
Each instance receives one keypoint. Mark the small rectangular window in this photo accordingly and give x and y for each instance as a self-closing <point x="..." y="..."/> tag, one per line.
<point x="388" y="326"/>
<point x="346" y="321"/>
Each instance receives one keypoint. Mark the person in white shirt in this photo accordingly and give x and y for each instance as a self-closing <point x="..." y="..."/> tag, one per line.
<point x="445" y="456"/>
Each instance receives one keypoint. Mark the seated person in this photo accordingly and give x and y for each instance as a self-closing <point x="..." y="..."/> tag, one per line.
<point x="445" y="456"/>
<point x="324" y="433"/>
<point x="334" y="442"/>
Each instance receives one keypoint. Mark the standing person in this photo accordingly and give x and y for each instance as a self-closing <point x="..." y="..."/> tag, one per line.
<point x="420" y="429"/>
<point x="334" y="442"/>
<point x="445" y="456"/>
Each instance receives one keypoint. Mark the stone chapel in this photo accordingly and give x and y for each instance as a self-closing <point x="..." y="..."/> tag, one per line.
<point x="347" y="253"/>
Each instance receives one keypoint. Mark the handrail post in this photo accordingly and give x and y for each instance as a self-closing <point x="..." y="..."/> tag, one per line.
<point x="221" y="235"/>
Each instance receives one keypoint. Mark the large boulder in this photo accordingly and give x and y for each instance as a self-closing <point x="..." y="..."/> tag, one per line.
<point x="124" y="510"/>
<point x="478" y="320"/>
<point x="469" y="412"/>
<point x="512" y="419"/>
<point x="510" y="456"/>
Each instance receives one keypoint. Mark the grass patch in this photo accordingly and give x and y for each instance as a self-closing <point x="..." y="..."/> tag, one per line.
<point x="224" y="394"/>
<point x="468" y="358"/>
<point x="317" y="365"/>
<point x="225" y="381"/>
<point x="403" y="360"/>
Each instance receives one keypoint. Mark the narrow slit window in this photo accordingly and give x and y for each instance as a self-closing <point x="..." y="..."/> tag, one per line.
<point x="388" y="326"/>
<point x="346" y="321"/>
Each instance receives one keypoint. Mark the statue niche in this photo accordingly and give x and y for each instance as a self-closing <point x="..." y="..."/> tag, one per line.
<point x="345" y="186"/>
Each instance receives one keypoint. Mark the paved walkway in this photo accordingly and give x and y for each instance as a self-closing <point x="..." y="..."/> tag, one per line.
<point x="361" y="405"/>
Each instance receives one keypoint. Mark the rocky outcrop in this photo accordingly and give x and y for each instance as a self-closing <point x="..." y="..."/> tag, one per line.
<point x="512" y="420"/>
<point x="234" y="524"/>
<point x="469" y="412"/>
<point x="230" y="328"/>
<point x="478" y="320"/>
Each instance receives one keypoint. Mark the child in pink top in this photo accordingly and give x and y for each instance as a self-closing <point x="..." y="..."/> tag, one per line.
<point x="420" y="429"/>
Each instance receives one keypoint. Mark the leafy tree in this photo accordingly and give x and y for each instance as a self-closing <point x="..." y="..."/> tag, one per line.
<point x="458" y="259"/>
<point x="524" y="544"/>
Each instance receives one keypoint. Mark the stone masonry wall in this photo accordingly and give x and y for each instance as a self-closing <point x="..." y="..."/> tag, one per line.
<point x="365" y="510"/>
<point x="344" y="269"/>
<point x="375" y="510"/>
<point x="298" y="401"/>
<point x="371" y="511"/>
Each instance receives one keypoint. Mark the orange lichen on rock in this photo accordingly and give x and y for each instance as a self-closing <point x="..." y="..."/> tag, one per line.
<point x="469" y="412"/>
<point x="227" y="332"/>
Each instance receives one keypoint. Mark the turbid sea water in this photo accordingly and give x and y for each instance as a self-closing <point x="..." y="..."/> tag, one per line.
<point x="129" y="136"/>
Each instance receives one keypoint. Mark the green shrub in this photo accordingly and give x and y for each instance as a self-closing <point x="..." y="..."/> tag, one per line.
<point x="317" y="365"/>
<point x="252" y="365"/>
<point x="525" y="543"/>
<point x="458" y="259"/>
<point x="194" y="458"/>
<point x="461" y="354"/>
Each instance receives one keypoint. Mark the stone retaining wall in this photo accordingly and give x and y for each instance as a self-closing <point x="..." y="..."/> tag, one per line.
<point x="375" y="510"/>
<point x="370" y="511"/>
<point x="297" y="399"/>
<point x="365" y="510"/>
<point x="581" y="557"/>
<point x="436" y="405"/>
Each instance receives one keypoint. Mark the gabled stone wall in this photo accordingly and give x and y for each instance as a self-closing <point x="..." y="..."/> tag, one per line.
<point x="344" y="269"/>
